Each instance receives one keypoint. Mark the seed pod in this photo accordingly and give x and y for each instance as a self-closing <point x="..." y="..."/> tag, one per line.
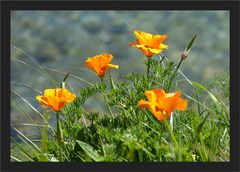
<point x="184" y="54"/>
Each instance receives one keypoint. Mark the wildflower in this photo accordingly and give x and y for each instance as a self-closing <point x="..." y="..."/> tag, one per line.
<point x="56" y="98"/>
<point x="149" y="44"/>
<point x="161" y="104"/>
<point x="100" y="63"/>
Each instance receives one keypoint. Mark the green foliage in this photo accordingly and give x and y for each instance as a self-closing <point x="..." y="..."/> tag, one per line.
<point x="126" y="133"/>
<point x="135" y="135"/>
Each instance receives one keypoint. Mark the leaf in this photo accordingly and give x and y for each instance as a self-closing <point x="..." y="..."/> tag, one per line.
<point x="190" y="44"/>
<point x="198" y="85"/>
<point x="90" y="151"/>
<point x="203" y="88"/>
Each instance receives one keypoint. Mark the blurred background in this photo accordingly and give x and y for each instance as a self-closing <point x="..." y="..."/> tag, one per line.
<point x="45" y="45"/>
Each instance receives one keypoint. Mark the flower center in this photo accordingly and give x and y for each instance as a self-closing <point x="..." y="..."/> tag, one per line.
<point x="161" y="110"/>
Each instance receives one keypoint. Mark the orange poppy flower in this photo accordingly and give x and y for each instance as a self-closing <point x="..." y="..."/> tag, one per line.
<point x="100" y="63"/>
<point x="161" y="104"/>
<point x="56" y="98"/>
<point x="149" y="44"/>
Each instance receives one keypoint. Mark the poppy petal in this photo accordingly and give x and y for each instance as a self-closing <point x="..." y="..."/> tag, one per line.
<point x="43" y="100"/>
<point x="181" y="104"/>
<point x="149" y="44"/>
<point x="56" y="98"/>
<point x="163" y="46"/>
<point x="162" y="104"/>
<point x="144" y="104"/>
<point x="99" y="63"/>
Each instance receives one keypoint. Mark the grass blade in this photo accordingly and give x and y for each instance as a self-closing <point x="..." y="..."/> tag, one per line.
<point x="27" y="139"/>
<point x="40" y="115"/>
<point x="15" y="159"/>
<point x="24" y="152"/>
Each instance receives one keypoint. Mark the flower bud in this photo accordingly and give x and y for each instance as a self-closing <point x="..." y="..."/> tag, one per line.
<point x="184" y="54"/>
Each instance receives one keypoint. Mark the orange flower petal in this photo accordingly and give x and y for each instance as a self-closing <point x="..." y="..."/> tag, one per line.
<point x="157" y="40"/>
<point x="160" y="116"/>
<point x="100" y="63"/>
<point x="151" y="96"/>
<point x="162" y="104"/>
<point x="163" y="46"/>
<point x="56" y="98"/>
<point x="149" y="44"/>
<point x="108" y="57"/>
<point x="43" y="100"/>
<point x="181" y="104"/>
<point x="67" y="95"/>
<point x="155" y="51"/>
<point x="140" y="37"/>
<point x="144" y="104"/>
<point x="49" y="92"/>
<point x="61" y="105"/>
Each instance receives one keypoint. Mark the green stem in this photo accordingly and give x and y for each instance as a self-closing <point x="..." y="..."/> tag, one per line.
<point x="109" y="109"/>
<point x="170" y="82"/>
<point x="59" y="135"/>
<point x="101" y="79"/>
<point x="59" y="129"/>
<point x="111" y="81"/>
<point x="170" y="131"/>
<point x="148" y="66"/>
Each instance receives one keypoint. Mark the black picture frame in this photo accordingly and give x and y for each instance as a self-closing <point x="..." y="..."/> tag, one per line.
<point x="231" y="6"/>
